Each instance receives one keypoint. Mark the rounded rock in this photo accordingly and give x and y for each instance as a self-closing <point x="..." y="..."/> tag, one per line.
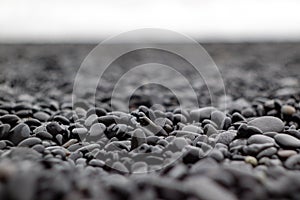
<point x="267" y="124"/>
<point x="287" y="141"/>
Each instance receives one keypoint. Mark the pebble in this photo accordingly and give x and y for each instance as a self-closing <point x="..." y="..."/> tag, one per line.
<point x="287" y="141"/>
<point x="97" y="153"/>
<point x="218" y="117"/>
<point x="54" y="128"/>
<point x="267" y="152"/>
<point x="4" y="130"/>
<point x="260" y="139"/>
<point x="288" y="110"/>
<point x="29" y="142"/>
<point x="267" y="124"/>
<point x="245" y="131"/>
<point x="41" y="116"/>
<point x="191" y="156"/>
<point x="286" y="153"/>
<point x="19" y="133"/>
<point x="138" y="138"/>
<point x="96" y="131"/>
<point x="201" y="113"/>
<point x="251" y="160"/>
<point x="226" y="137"/>
<point x="210" y="130"/>
<point x="9" y="119"/>
<point x="293" y="162"/>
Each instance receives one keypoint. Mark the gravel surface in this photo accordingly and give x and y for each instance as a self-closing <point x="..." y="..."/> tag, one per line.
<point x="52" y="149"/>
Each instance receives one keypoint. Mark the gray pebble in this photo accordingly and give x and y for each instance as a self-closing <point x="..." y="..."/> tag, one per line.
<point x="260" y="139"/>
<point x="29" y="142"/>
<point x="19" y="133"/>
<point x="267" y="124"/>
<point x="287" y="141"/>
<point x="226" y="137"/>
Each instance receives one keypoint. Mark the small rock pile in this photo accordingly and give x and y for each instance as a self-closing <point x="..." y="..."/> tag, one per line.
<point x="53" y="150"/>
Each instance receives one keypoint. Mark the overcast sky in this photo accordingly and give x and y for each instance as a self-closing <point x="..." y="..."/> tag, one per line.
<point x="94" y="20"/>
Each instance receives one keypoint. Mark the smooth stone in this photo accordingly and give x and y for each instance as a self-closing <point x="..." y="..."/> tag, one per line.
<point x="4" y="130"/>
<point x="61" y="119"/>
<point x="248" y="112"/>
<point x="237" y="117"/>
<point x="251" y="160"/>
<point x="29" y="142"/>
<point x="54" y="128"/>
<point x="201" y="113"/>
<point x="293" y="162"/>
<point x="254" y="149"/>
<point x="288" y="110"/>
<point x="192" y="128"/>
<point x="260" y="139"/>
<point x="69" y="143"/>
<point x="41" y="116"/>
<point x="119" y="167"/>
<point x="138" y="138"/>
<point x="218" y="117"/>
<point x="97" y="163"/>
<point x="39" y="148"/>
<point x="90" y="120"/>
<point x="44" y="135"/>
<point x="210" y="130"/>
<point x="226" y="137"/>
<point x="245" y="131"/>
<point x="82" y="132"/>
<point x="19" y="133"/>
<point x="270" y="134"/>
<point x="286" y="153"/>
<point x="267" y="124"/>
<point x="32" y="122"/>
<point x="216" y="154"/>
<point x="178" y="144"/>
<point x="96" y="131"/>
<point x="139" y="167"/>
<point x="267" y="152"/>
<point x="191" y="156"/>
<point x="287" y="141"/>
<point x="225" y="125"/>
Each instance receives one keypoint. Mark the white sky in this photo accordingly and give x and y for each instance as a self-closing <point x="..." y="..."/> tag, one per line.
<point x="94" y="20"/>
